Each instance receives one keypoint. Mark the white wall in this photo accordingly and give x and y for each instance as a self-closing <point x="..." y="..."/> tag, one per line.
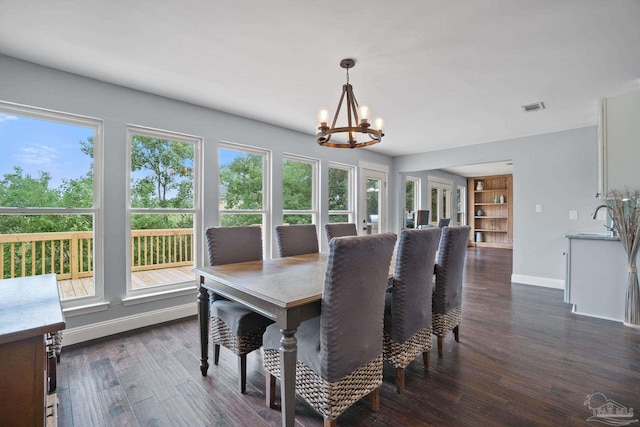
<point x="29" y="84"/>
<point x="557" y="170"/>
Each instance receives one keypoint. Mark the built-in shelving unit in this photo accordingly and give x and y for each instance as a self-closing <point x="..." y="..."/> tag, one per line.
<point x="491" y="210"/>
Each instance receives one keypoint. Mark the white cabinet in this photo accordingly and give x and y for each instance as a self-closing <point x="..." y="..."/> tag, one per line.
<point x="619" y="143"/>
<point x="596" y="276"/>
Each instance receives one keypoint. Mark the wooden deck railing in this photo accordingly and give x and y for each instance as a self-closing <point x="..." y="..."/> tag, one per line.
<point x="70" y="254"/>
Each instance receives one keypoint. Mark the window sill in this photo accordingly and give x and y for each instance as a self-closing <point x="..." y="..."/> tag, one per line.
<point x="156" y="296"/>
<point x="85" y="309"/>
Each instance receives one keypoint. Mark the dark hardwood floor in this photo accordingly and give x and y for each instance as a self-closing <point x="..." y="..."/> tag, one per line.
<point x="522" y="359"/>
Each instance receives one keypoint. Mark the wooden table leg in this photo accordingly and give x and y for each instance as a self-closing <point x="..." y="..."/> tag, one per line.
<point x="203" y="317"/>
<point x="288" y="356"/>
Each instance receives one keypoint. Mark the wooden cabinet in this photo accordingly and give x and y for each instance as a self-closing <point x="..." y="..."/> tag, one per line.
<point x="29" y="311"/>
<point x="491" y="210"/>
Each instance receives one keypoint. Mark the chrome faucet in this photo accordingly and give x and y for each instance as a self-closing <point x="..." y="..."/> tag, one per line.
<point x="595" y="213"/>
<point x="611" y="228"/>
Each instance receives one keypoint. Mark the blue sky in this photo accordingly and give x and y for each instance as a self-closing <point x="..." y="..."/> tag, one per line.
<point x="38" y="145"/>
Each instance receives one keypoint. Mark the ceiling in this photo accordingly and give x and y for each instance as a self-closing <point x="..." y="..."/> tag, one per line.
<point x="442" y="74"/>
<point x="482" y="169"/>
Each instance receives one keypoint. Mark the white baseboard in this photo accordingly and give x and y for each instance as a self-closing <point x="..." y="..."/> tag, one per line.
<point x="537" y="281"/>
<point x="123" y="324"/>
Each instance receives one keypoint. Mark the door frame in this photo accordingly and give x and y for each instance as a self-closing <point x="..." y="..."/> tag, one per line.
<point x="379" y="171"/>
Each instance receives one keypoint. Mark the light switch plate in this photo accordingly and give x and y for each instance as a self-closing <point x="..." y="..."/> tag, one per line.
<point x="573" y="214"/>
<point x="539" y="207"/>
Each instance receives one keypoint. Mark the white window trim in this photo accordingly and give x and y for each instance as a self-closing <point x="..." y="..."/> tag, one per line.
<point x="440" y="184"/>
<point x="463" y="204"/>
<point x="266" y="191"/>
<point x="98" y="245"/>
<point x="417" y="199"/>
<point x="314" y="186"/>
<point x="156" y="292"/>
<point x="381" y="169"/>
<point x="351" y="192"/>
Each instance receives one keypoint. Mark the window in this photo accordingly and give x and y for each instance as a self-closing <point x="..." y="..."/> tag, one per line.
<point x="461" y="206"/>
<point x="412" y="200"/>
<point x="244" y="195"/>
<point x="164" y="207"/>
<point x="441" y="203"/>
<point x="50" y="199"/>
<point x="341" y="193"/>
<point x="299" y="184"/>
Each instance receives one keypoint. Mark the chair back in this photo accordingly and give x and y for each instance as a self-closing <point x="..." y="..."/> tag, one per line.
<point x="351" y="320"/>
<point x="422" y="218"/>
<point x="340" y="230"/>
<point x="449" y="268"/>
<point x="228" y="245"/>
<point x="444" y="222"/>
<point x="413" y="282"/>
<point x="297" y="239"/>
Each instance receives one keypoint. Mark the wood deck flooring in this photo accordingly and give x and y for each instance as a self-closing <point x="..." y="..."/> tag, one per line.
<point x="74" y="288"/>
<point x="523" y="360"/>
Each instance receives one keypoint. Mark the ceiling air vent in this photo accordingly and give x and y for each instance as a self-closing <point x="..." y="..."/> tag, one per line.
<point x="533" y="107"/>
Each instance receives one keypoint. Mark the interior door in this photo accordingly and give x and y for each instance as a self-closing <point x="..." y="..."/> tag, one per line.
<point x="373" y="201"/>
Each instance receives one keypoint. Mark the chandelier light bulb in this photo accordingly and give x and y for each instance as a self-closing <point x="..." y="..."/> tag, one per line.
<point x="323" y="117"/>
<point x="379" y="124"/>
<point x="364" y="114"/>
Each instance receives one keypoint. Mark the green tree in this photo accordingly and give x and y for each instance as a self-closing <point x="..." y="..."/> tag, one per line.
<point x="166" y="164"/>
<point x="241" y="188"/>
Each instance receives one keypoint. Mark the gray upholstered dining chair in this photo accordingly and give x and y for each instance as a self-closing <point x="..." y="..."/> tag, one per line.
<point x="231" y="324"/>
<point x="340" y="351"/>
<point x="447" y="297"/>
<point x="444" y="222"/>
<point x="407" y="311"/>
<point x="297" y="239"/>
<point x="340" y="229"/>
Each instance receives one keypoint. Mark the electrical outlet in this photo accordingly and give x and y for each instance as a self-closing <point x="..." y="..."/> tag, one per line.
<point x="602" y="215"/>
<point x="573" y="214"/>
<point x="539" y="207"/>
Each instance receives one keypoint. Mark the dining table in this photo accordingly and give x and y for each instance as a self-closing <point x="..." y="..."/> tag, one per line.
<point x="287" y="290"/>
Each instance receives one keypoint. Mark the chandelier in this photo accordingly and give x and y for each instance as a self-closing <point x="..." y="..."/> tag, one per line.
<point x="357" y="120"/>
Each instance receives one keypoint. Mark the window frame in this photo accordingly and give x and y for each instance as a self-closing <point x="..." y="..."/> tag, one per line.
<point x="314" y="187"/>
<point x="417" y="202"/>
<point x="461" y="192"/>
<point x="266" y="191"/>
<point x="95" y="302"/>
<point x="155" y="292"/>
<point x="351" y="193"/>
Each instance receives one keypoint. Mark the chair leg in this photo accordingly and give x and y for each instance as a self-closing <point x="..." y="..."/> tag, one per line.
<point x="330" y="423"/>
<point x="456" y="332"/>
<point x="375" y="399"/>
<point x="216" y="353"/>
<point x="425" y="360"/>
<point x="242" y="372"/>
<point x="399" y="380"/>
<point x="440" y="341"/>
<point x="270" y="390"/>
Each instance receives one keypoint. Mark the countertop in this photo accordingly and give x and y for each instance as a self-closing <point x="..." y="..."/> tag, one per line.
<point x="591" y="236"/>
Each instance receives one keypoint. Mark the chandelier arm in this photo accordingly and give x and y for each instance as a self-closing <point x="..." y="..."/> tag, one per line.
<point x="335" y="118"/>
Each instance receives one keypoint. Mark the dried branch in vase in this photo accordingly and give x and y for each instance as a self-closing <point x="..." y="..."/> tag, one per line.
<point x="624" y="210"/>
